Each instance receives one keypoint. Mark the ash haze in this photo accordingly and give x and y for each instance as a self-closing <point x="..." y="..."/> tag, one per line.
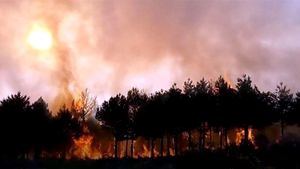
<point x="111" y="46"/>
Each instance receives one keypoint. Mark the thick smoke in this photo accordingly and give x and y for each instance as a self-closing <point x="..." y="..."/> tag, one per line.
<point x="111" y="46"/>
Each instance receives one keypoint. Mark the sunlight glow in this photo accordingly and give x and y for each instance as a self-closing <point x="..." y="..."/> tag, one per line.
<point x="40" y="38"/>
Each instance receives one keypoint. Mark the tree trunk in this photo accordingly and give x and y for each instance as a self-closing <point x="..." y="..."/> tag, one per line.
<point x="221" y="138"/>
<point x="210" y="136"/>
<point x="116" y="148"/>
<point x="126" y="148"/>
<point x="152" y="148"/>
<point x="168" y="145"/>
<point x="131" y="148"/>
<point x="175" y="144"/>
<point x="149" y="145"/>
<point x="282" y="127"/>
<point x="200" y="138"/>
<point x="64" y="154"/>
<point x="190" y="139"/>
<point x="203" y="135"/>
<point x="162" y="146"/>
<point x="246" y="131"/>
<point x="225" y="135"/>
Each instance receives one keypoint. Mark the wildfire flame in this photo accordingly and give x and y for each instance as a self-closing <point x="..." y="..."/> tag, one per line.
<point x="240" y="134"/>
<point x="83" y="148"/>
<point x="145" y="152"/>
<point x="87" y="147"/>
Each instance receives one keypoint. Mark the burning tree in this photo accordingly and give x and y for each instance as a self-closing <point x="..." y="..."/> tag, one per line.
<point x="66" y="128"/>
<point x="171" y="117"/>
<point x="248" y="103"/>
<point x="174" y="120"/>
<point x="114" y="115"/>
<point x="84" y="146"/>
<point x="84" y="105"/>
<point x="150" y="120"/>
<point x="135" y="100"/>
<point x="202" y="105"/>
<point x="223" y="116"/>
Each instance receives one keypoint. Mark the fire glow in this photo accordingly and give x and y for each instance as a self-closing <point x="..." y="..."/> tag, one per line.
<point x="86" y="147"/>
<point x="109" y="52"/>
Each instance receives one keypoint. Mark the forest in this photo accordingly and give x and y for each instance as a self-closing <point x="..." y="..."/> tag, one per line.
<point x="32" y="131"/>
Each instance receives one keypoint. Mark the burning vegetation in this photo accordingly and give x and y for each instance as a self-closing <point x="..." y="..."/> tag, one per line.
<point x="167" y="123"/>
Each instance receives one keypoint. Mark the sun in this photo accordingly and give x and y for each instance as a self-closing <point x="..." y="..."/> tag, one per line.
<point x="40" y="37"/>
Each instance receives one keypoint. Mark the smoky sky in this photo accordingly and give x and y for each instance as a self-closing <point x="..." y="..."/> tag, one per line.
<point x="111" y="46"/>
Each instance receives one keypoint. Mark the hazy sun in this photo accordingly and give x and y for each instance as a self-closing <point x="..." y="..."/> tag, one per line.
<point x="40" y="37"/>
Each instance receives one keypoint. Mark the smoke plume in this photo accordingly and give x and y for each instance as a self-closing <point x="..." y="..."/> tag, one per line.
<point x="111" y="46"/>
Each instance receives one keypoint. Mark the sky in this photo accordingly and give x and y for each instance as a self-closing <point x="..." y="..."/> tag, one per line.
<point x="111" y="46"/>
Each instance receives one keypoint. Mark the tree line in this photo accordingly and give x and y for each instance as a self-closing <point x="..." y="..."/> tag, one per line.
<point x="202" y="106"/>
<point x="28" y="129"/>
<point x="31" y="129"/>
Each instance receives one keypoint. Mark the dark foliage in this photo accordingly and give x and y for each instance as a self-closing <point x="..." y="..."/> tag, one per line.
<point x="29" y="130"/>
<point x="201" y="106"/>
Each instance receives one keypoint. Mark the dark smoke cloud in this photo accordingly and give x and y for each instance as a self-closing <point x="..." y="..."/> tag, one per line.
<point x="110" y="46"/>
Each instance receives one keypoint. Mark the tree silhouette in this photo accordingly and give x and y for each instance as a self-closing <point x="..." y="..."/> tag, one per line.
<point x="293" y="116"/>
<point x="225" y="105"/>
<point x="65" y="127"/>
<point x="39" y="126"/>
<point x="283" y="104"/>
<point x="151" y="119"/>
<point x="135" y="100"/>
<point x="174" y="119"/>
<point x="30" y="131"/>
<point x="204" y="103"/>
<point x="114" y="114"/>
<point x="14" y="126"/>
<point x="247" y="104"/>
<point x="189" y="119"/>
<point x="265" y="113"/>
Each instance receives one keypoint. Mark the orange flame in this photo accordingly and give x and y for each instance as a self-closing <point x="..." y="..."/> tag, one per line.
<point x="240" y="134"/>
<point x="228" y="79"/>
<point x="83" y="148"/>
<point x="145" y="152"/>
